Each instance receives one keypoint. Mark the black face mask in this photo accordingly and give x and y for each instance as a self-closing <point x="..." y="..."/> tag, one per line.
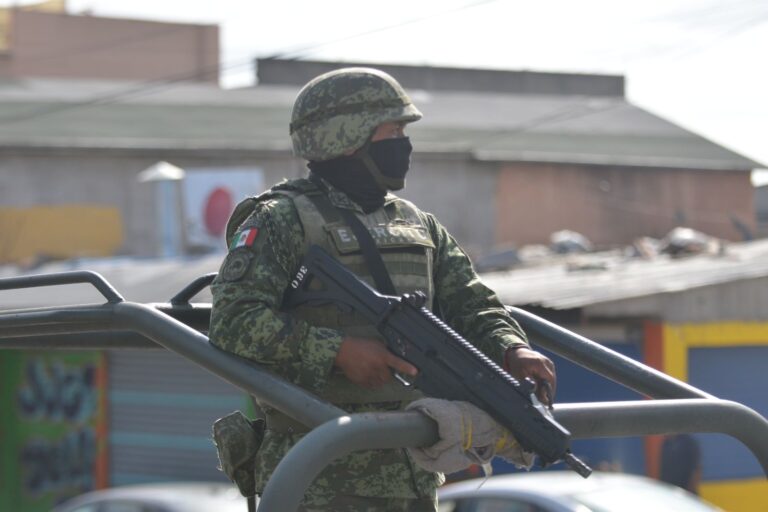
<point x="351" y="176"/>
<point x="367" y="184"/>
<point x="393" y="159"/>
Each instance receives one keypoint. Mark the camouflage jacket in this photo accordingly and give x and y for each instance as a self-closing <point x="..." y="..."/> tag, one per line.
<point x="265" y="253"/>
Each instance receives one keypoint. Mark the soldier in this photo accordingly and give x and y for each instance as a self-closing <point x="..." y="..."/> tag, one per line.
<point x="349" y="124"/>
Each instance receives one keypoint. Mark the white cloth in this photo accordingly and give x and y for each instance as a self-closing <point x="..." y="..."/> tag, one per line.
<point x="467" y="436"/>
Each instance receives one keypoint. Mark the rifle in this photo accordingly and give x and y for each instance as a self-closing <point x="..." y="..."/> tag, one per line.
<point x="449" y="366"/>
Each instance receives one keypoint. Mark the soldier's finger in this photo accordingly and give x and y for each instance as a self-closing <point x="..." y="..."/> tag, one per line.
<point x="545" y="393"/>
<point x="543" y="374"/>
<point x="551" y="380"/>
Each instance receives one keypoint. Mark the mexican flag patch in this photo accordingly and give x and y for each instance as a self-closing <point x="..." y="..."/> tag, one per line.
<point x="245" y="238"/>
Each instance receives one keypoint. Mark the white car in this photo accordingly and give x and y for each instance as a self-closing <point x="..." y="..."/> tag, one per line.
<point x="173" y="497"/>
<point x="565" y="491"/>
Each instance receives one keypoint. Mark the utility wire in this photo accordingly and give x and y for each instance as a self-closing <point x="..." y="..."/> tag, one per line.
<point x="171" y="81"/>
<point x="86" y="49"/>
<point x="706" y="20"/>
<point x="701" y="15"/>
<point x="117" y="95"/>
<point x="568" y="113"/>
<point x="745" y="26"/>
<point x="301" y="52"/>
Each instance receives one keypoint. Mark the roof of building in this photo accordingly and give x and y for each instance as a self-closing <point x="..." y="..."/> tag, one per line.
<point x="137" y="280"/>
<point x="277" y="71"/>
<point x="567" y="282"/>
<point x="576" y="281"/>
<point x="485" y="126"/>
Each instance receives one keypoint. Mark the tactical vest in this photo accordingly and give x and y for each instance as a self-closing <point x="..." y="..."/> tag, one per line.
<point x="406" y="247"/>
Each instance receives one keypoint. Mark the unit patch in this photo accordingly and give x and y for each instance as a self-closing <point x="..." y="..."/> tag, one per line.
<point x="236" y="264"/>
<point x="385" y="236"/>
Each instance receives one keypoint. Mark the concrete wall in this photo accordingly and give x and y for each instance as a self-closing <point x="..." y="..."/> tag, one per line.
<point x="64" y="46"/>
<point x="745" y="300"/>
<point x="761" y="210"/>
<point x="613" y="205"/>
<point x="110" y="179"/>
<point x="461" y="193"/>
<point x="480" y="206"/>
<point x="458" y="192"/>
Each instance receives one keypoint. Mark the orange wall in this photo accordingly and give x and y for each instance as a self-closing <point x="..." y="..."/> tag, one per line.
<point x="59" y="232"/>
<point x="59" y="45"/>
<point x="613" y="205"/>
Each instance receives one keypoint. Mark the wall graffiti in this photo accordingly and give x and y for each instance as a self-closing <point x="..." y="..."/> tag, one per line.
<point x="55" y="433"/>
<point x="50" y="466"/>
<point x="55" y="392"/>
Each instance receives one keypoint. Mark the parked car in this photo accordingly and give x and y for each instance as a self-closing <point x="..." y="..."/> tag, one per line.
<point x="174" y="497"/>
<point x="565" y="491"/>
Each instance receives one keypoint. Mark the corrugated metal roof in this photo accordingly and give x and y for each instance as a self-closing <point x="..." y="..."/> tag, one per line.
<point x="582" y="280"/>
<point x="485" y="126"/>
<point x="137" y="280"/>
<point x="563" y="283"/>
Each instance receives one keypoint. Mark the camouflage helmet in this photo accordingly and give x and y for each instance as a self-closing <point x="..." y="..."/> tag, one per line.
<point x="337" y="112"/>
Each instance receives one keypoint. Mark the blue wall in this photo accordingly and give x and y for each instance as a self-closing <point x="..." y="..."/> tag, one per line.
<point x="575" y="384"/>
<point x="730" y="373"/>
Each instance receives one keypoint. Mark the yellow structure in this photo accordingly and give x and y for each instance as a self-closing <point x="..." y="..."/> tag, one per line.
<point x="5" y="29"/>
<point x="59" y="232"/>
<point x="59" y="6"/>
<point x="749" y="495"/>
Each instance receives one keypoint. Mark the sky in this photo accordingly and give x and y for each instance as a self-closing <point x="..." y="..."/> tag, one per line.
<point x="698" y="63"/>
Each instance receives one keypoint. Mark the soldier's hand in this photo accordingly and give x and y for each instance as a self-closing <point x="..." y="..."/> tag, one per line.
<point x="524" y="362"/>
<point x="367" y="362"/>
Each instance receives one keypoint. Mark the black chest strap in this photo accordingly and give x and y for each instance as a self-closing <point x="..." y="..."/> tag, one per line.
<point x="370" y="251"/>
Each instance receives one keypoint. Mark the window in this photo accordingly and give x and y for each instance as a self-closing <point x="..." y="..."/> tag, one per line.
<point x="505" y="505"/>
<point x="125" y="506"/>
<point x="488" y="505"/>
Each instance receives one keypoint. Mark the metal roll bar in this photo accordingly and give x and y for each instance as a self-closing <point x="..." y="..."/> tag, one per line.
<point x="79" y="276"/>
<point x="341" y="436"/>
<point x="603" y="361"/>
<point x="131" y="325"/>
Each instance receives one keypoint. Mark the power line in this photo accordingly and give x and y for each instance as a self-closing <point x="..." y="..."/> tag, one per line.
<point x="117" y="95"/>
<point x="707" y="18"/>
<point x="171" y="81"/>
<point x="568" y="113"/>
<point x="85" y="49"/>
<point x="300" y="52"/>
<point x="745" y="26"/>
<point x="700" y="15"/>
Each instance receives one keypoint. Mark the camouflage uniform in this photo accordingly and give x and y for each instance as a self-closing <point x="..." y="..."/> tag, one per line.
<point x="247" y="319"/>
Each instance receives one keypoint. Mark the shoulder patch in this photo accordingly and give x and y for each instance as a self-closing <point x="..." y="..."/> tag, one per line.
<point x="244" y="238"/>
<point x="236" y="265"/>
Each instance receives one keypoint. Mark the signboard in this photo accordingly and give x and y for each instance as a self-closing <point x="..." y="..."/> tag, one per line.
<point x="53" y="430"/>
<point x="210" y="196"/>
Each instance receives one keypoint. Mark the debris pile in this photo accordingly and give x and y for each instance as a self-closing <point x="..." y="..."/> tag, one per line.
<point x="578" y="253"/>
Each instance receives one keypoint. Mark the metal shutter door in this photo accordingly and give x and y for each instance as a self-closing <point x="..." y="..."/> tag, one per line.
<point x="161" y="408"/>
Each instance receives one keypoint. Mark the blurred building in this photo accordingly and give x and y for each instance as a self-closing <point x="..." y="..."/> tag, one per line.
<point x="43" y="40"/>
<point x="554" y="151"/>
<point x="87" y="168"/>
<point x="80" y="199"/>
<point x="761" y="208"/>
<point x="701" y="318"/>
<point x="502" y="157"/>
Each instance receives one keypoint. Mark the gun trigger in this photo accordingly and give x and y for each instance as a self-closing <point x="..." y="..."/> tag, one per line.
<point x="548" y="395"/>
<point x="402" y="380"/>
